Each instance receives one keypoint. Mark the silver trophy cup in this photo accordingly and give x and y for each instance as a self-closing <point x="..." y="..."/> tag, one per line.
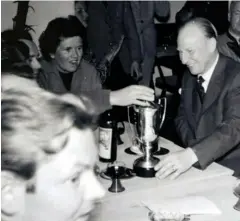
<point x="148" y="122"/>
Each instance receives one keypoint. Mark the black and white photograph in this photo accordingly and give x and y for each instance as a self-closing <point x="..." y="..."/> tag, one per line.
<point x="120" y="110"/>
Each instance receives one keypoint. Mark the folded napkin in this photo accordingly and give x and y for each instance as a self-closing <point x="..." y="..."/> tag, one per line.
<point x="191" y="205"/>
<point x="167" y="216"/>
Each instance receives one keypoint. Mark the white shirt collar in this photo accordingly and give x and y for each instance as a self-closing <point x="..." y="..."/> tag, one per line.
<point x="208" y="74"/>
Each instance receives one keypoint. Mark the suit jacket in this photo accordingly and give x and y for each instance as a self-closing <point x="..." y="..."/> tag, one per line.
<point x="223" y="46"/>
<point x="144" y="13"/>
<point x="104" y="26"/>
<point x="107" y="22"/>
<point x="216" y="133"/>
<point x="85" y="81"/>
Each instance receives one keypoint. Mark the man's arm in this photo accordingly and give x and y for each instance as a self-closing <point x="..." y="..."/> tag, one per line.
<point x="226" y="136"/>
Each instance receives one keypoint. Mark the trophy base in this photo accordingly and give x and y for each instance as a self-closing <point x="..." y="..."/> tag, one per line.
<point x="144" y="168"/>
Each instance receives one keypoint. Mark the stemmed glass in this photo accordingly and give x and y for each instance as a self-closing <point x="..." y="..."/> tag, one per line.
<point x="236" y="189"/>
<point x="116" y="170"/>
<point x="236" y="192"/>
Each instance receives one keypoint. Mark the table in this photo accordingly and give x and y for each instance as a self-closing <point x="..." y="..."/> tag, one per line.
<point x="216" y="183"/>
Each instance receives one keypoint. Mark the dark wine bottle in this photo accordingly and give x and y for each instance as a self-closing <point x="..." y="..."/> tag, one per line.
<point x="107" y="138"/>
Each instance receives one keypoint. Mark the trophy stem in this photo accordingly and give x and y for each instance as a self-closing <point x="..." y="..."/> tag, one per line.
<point x="144" y="166"/>
<point x="147" y="152"/>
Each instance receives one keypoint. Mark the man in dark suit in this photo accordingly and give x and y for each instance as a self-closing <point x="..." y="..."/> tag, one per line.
<point x="229" y="42"/>
<point x="104" y="26"/>
<point x="144" y="13"/>
<point x="105" y="30"/>
<point x="208" y="120"/>
<point x="108" y="21"/>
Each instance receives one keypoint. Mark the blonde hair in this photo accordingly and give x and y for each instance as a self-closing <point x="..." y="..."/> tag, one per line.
<point x="31" y="118"/>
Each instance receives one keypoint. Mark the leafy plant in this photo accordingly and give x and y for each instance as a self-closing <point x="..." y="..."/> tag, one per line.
<point x="19" y="21"/>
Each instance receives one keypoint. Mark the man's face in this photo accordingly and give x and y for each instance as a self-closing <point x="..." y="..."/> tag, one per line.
<point x="66" y="187"/>
<point x="81" y="12"/>
<point x="235" y="19"/>
<point x="193" y="49"/>
<point x="69" y="54"/>
<point x="32" y="60"/>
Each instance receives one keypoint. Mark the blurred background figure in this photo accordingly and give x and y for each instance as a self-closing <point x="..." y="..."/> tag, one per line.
<point x="108" y="21"/>
<point x="48" y="154"/>
<point x="80" y="9"/>
<point x="229" y="42"/>
<point x="103" y="65"/>
<point x="214" y="11"/>
<point x="19" y="50"/>
<point x="104" y="37"/>
<point x="144" y="13"/>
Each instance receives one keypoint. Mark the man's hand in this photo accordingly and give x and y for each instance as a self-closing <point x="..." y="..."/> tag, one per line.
<point x="135" y="71"/>
<point x="134" y="94"/>
<point x="175" y="164"/>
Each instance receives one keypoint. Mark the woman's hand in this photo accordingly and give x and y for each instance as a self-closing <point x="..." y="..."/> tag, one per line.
<point x="134" y="94"/>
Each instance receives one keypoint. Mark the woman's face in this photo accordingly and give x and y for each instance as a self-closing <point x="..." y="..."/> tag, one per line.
<point x="69" y="54"/>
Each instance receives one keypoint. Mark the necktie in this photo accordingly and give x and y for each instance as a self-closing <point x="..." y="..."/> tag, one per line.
<point x="197" y="98"/>
<point x="200" y="88"/>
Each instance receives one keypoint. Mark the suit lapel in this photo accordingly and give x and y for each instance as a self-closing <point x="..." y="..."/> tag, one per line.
<point x="214" y="87"/>
<point x="135" y="6"/>
<point x="188" y="101"/>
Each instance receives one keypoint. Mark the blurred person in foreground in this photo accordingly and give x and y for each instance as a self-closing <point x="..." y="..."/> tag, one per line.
<point x="64" y="70"/>
<point x="208" y="120"/>
<point x="47" y="156"/>
<point x="229" y="43"/>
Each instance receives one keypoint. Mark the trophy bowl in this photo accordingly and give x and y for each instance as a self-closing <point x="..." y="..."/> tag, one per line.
<point x="149" y="120"/>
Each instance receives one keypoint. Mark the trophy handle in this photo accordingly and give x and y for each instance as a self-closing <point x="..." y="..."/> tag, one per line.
<point x="134" y="134"/>
<point x="135" y="108"/>
<point x="164" y="109"/>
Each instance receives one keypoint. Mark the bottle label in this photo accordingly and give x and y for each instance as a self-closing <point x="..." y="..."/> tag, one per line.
<point x="105" y="142"/>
